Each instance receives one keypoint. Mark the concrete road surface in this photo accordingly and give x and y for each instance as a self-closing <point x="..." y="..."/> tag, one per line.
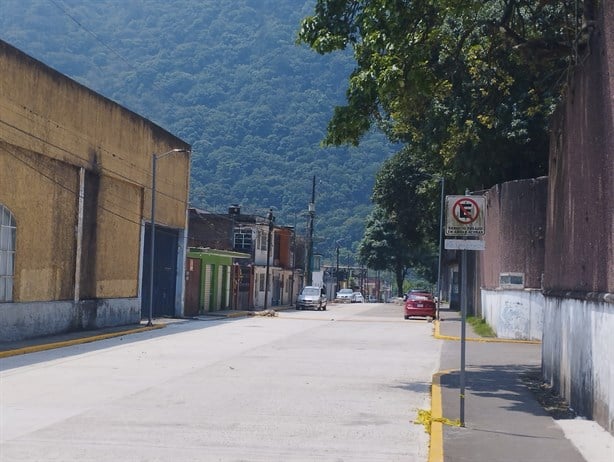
<point x="337" y="385"/>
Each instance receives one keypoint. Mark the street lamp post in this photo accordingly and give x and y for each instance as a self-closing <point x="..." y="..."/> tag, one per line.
<point x="152" y="240"/>
<point x="440" y="248"/>
<point x="271" y="220"/>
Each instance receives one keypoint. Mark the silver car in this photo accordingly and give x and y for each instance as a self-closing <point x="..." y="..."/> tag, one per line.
<point x="344" y="295"/>
<point x="357" y="298"/>
<point x="311" y="297"/>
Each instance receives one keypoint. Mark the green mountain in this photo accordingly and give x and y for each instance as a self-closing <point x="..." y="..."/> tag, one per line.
<point x="228" y="78"/>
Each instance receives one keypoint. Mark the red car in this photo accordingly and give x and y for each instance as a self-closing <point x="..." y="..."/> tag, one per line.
<point x="420" y="304"/>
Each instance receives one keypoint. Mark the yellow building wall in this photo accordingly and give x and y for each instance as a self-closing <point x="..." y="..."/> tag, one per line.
<point x="60" y="126"/>
<point x="40" y="194"/>
<point x="111" y="240"/>
<point x="46" y="112"/>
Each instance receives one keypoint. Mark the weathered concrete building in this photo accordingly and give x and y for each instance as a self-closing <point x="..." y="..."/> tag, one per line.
<point x="579" y="254"/>
<point x="75" y="195"/>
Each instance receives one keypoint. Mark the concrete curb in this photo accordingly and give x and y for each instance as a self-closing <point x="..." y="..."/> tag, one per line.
<point x="76" y="341"/>
<point x="438" y="336"/>
<point x="436" y="443"/>
<point x="436" y="453"/>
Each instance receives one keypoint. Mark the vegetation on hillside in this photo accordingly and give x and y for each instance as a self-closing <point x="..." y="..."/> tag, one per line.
<point x="228" y="78"/>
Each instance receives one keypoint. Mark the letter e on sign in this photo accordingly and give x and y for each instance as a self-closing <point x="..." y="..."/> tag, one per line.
<point x="464" y="215"/>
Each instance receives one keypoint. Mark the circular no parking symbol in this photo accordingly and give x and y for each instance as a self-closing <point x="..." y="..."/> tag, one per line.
<point x="465" y="210"/>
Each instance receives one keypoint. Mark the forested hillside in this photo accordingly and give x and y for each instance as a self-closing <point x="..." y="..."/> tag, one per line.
<point x="228" y="78"/>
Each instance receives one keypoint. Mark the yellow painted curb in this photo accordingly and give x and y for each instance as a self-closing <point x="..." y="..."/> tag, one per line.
<point x="76" y="341"/>
<point x="438" y="336"/>
<point x="436" y="445"/>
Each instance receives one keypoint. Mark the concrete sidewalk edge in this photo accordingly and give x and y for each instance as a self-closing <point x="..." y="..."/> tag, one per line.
<point x="91" y="336"/>
<point x="439" y="336"/>
<point x="436" y="443"/>
<point x="76" y="341"/>
<point x="437" y="419"/>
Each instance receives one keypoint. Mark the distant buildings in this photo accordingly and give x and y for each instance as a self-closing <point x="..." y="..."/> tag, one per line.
<point x="230" y="254"/>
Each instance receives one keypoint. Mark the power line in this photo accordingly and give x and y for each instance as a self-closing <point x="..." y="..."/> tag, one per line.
<point x="129" y="63"/>
<point x="81" y="160"/>
<point x="131" y="66"/>
<point x="48" y="176"/>
<point x="98" y="39"/>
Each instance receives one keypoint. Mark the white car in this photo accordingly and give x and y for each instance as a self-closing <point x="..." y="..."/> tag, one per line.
<point x="344" y="295"/>
<point x="357" y="298"/>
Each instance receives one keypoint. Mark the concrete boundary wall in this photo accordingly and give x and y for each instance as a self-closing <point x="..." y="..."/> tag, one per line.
<point x="578" y="278"/>
<point x="20" y="321"/>
<point x="514" y="314"/>
<point x="577" y="355"/>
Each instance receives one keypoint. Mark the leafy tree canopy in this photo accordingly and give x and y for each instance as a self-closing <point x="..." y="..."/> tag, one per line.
<point x="472" y="82"/>
<point x="467" y="87"/>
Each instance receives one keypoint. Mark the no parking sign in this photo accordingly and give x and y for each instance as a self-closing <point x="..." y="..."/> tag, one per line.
<point x="465" y="216"/>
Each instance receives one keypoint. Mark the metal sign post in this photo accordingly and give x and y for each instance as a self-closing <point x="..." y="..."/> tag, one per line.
<point x="464" y="219"/>
<point x="463" y="334"/>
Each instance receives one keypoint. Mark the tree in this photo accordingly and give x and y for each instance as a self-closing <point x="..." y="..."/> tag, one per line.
<point x="383" y="248"/>
<point x="406" y="191"/>
<point x="472" y="83"/>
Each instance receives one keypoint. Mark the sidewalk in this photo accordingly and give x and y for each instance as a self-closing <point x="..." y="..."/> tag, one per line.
<point x="87" y="336"/>
<point x="504" y="421"/>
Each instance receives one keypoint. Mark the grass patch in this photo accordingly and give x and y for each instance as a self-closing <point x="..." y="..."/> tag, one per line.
<point x="481" y="327"/>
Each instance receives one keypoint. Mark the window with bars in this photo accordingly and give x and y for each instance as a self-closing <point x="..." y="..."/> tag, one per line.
<point x="243" y="239"/>
<point x="262" y="239"/>
<point x="8" y="229"/>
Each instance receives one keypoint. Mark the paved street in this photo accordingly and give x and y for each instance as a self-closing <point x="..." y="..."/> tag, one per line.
<point x="339" y="385"/>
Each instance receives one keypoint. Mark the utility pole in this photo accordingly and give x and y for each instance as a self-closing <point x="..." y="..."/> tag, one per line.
<point x="292" y="301"/>
<point x="312" y="214"/>
<point x="337" y="269"/>
<point x="271" y="220"/>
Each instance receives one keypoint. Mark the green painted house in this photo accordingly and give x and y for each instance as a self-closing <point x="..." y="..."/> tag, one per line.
<point x="212" y="278"/>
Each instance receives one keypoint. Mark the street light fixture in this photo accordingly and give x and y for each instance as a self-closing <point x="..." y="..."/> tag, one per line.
<point x="154" y="160"/>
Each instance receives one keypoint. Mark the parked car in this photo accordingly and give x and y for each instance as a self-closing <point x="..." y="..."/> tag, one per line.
<point x="311" y="297"/>
<point x="357" y="298"/>
<point x="420" y="304"/>
<point x="422" y="292"/>
<point x="344" y="295"/>
<point x="372" y="299"/>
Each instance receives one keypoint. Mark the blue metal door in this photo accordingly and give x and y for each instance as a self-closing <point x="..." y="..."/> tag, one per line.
<point x="165" y="272"/>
